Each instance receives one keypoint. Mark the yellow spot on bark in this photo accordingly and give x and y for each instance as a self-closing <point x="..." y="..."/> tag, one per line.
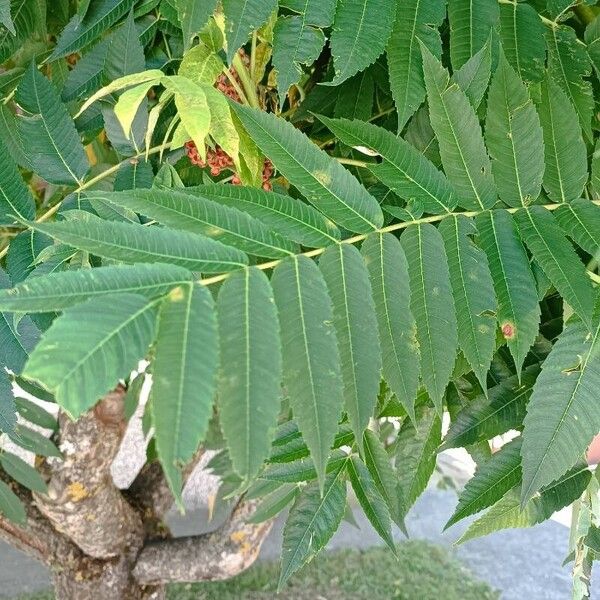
<point x="77" y="492"/>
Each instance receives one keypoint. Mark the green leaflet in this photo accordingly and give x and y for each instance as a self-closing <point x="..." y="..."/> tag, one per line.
<point x="324" y="182"/>
<point x="355" y="325"/>
<point x="35" y="414"/>
<point x="5" y="18"/>
<point x="473" y="77"/>
<point x="289" y="217"/>
<point x="313" y="519"/>
<point x="201" y="64"/>
<point x="383" y="473"/>
<point x="100" y="16"/>
<point x="570" y="66"/>
<point x="301" y="470"/>
<point x="491" y="481"/>
<point x="561" y="418"/>
<point x="355" y="97"/>
<point x="193" y="15"/>
<point x="522" y="37"/>
<point x="249" y="389"/>
<point x="133" y="175"/>
<point x="90" y="347"/>
<point x="227" y="225"/>
<point x="47" y="132"/>
<point x="432" y="306"/>
<point x="10" y="505"/>
<point x="580" y="220"/>
<point x="360" y="33"/>
<point x="371" y="500"/>
<point x="58" y="291"/>
<point x="415" y="455"/>
<point x="241" y="18"/>
<point x="297" y="40"/>
<point x="416" y="21"/>
<point x="17" y="338"/>
<point x="295" y="43"/>
<point x="470" y="27"/>
<point x="473" y="292"/>
<point x="29" y="20"/>
<point x="485" y="417"/>
<point x="514" y="138"/>
<point x="33" y="441"/>
<point x="558" y="259"/>
<point x="311" y="360"/>
<point x="388" y="271"/>
<point x="23" y="473"/>
<point x="183" y="374"/>
<point x="8" y="411"/>
<point x="518" y="308"/>
<point x="508" y="512"/>
<point x="132" y="243"/>
<point x="22" y="253"/>
<point x="403" y="169"/>
<point x="565" y="152"/>
<point x="457" y="129"/>
<point x="272" y="504"/>
<point x="15" y="197"/>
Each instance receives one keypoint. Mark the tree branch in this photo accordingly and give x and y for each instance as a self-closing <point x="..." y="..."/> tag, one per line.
<point x="82" y="502"/>
<point x="210" y="557"/>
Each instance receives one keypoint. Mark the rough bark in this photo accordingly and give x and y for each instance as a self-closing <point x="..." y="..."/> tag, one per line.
<point x="82" y="501"/>
<point x="209" y="557"/>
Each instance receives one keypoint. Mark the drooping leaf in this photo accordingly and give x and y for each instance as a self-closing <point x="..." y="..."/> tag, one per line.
<point x="470" y="27"/>
<point x="132" y="243"/>
<point x="415" y="455"/>
<point x="569" y="65"/>
<point x="23" y="473"/>
<point x="10" y="505"/>
<point x="518" y="308"/>
<point x="485" y="417"/>
<point x="457" y="129"/>
<point x="371" y="500"/>
<point x="198" y="215"/>
<point x="295" y="43"/>
<point x="514" y="138"/>
<point x="432" y="306"/>
<point x="490" y="482"/>
<point x="403" y="169"/>
<point x="58" y="291"/>
<point x="302" y="469"/>
<point x="383" y="473"/>
<point x="193" y="15"/>
<point x="90" y="347"/>
<point x="313" y="519"/>
<point x="183" y="373"/>
<point x="249" y="390"/>
<point x="241" y="18"/>
<point x="81" y="31"/>
<point x="355" y="323"/>
<point x="508" y="512"/>
<point x="415" y="21"/>
<point x="33" y="441"/>
<point x="360" y="33"/>
<point x="561" y="421"/>
<point x="311" y="360"/>
<point x="473" y="292"/>
<point x="5" y="16"/>
<point x="15" y="197"/>
<point x="8" y="410"/>
<point x="557" y="257"/>
<point x="35" y="414"/>
<point x="17" y="338"/>
<point x="564" y="149"/>
<point x="388" y="271"/>
<point x="47" y="132"/>
<point x="290" y="217"/>
<point x="324" y="182"/>
<point x="580" y="220"/>
<point x="522" y="37"/>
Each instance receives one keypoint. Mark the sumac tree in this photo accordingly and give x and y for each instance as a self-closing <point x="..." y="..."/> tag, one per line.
<point x="317" y="228"/>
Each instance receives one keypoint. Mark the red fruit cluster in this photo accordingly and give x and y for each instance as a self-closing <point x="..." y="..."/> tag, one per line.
<point x="218" y="160"/>
<point x="224" y="84"/>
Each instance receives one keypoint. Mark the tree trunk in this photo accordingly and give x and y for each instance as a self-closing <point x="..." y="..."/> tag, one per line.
<point x="95" y="580"/>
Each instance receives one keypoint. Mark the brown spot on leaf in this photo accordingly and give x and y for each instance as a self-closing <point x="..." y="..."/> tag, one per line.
<point x="508" y="331"/>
